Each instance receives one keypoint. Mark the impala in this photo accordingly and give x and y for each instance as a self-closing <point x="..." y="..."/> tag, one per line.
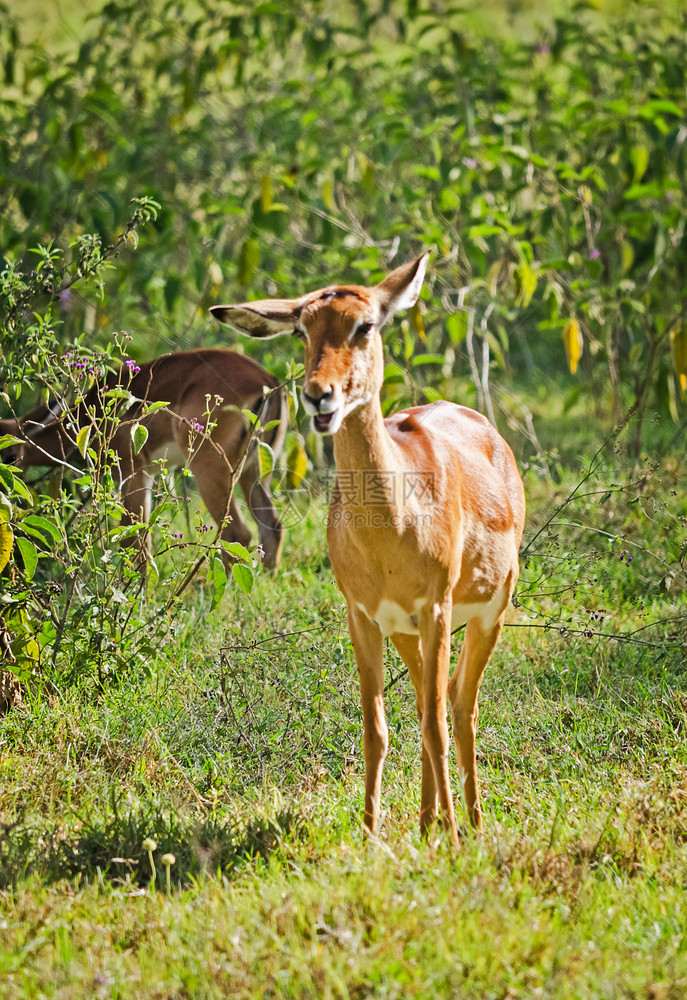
<point x="183" y="381"/>
<point x="424" y="525"/>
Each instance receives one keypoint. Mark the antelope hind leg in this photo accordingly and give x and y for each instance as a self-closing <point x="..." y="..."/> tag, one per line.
<point x="463" y="691"/>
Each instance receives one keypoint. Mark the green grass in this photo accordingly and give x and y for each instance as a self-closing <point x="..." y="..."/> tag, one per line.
<point x="241" y="754"/>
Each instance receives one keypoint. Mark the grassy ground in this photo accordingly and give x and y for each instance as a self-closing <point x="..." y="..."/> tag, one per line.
<point x="241" y="755"/>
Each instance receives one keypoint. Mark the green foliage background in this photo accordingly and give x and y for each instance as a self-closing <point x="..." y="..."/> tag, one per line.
<point x="309" y="142"/>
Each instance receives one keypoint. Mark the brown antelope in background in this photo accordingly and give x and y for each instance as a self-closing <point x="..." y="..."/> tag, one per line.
<point x="175" y="432"/>
<point x="424" y="524"/>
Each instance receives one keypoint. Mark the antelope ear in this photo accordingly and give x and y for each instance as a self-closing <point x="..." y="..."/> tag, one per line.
<point x="400" y="289"/>
<point x="264" y="318"/>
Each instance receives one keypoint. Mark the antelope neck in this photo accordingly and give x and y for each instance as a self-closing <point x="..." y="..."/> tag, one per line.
<point x="362" y="443"/>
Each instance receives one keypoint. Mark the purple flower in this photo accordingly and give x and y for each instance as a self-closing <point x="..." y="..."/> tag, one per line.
<point x="594" y="254"/>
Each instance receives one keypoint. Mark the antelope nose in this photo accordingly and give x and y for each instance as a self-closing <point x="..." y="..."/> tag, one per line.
<point x="317" y="401"/>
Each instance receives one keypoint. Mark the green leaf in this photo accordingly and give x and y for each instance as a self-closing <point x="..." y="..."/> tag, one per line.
<point x="24" y="491"/>
<point x="82" y="439"/>
<point x="139" y="436"/>
<point x="7" y="477"/>
<point x="249" y="260"/>
<point x="484" y="230"/>
<point x="431" y="394"/>
<point x="393" y="373"/>
<point x="158" y="405"/>
<point x="639" y="158"/>
<point x="219" y="580"/>
<point x="637" y="191"/>
<point x="235" y="549"/>
<point x="653" y="108"/>
<point x="526" y="281"/>
<point x="457" y="327"/>
<point x="328" y="195"/>
<point x="244" y="576"/>
<point x="7" y="439"/>
<point x="618" y="107"/>
<point x="29" y="554"/>
<point x="265" y="459"/>
<point x="152" y="576"/>
<point x="251" y="417"/>
<point x="43" y="525"/>
<point x="123" y="531"/>
<point x="158" y="511"/>
<point x="119" y="392"/>
<point x="428" y="359"/>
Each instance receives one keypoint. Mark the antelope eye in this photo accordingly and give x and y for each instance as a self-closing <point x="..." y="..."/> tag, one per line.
<point x="299" y="332"/>
<point x="364" y="330"/>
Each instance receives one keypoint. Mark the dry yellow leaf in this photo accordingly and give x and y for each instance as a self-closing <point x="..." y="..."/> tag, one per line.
<point x="572" y="340"/>
<point x="266" y="196"/>
<point x="6" y="541"/>
<point x="416" y="321"/>
<point x="678" y="338"/>
<point x="296" y="464"/>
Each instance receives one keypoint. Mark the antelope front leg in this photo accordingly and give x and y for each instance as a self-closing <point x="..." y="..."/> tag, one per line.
<point x="463" y="690"/>
<point x="408" y="647"/>
<point x="435" y="636"/>
<point x="368" y="647"/>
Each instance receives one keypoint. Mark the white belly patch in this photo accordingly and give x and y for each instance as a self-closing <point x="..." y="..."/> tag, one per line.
<point x="488" y="611"/>
<point x="391" y="617"/>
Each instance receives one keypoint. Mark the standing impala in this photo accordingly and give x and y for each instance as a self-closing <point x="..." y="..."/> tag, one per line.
<point x="424" y="524"/>
<point x="182" y="380"/>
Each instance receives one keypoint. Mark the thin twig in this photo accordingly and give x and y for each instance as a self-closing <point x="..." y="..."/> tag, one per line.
<point x="593" y="466"/>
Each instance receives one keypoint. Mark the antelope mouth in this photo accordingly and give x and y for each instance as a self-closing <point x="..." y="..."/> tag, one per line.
<point x="322" y="421"/>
